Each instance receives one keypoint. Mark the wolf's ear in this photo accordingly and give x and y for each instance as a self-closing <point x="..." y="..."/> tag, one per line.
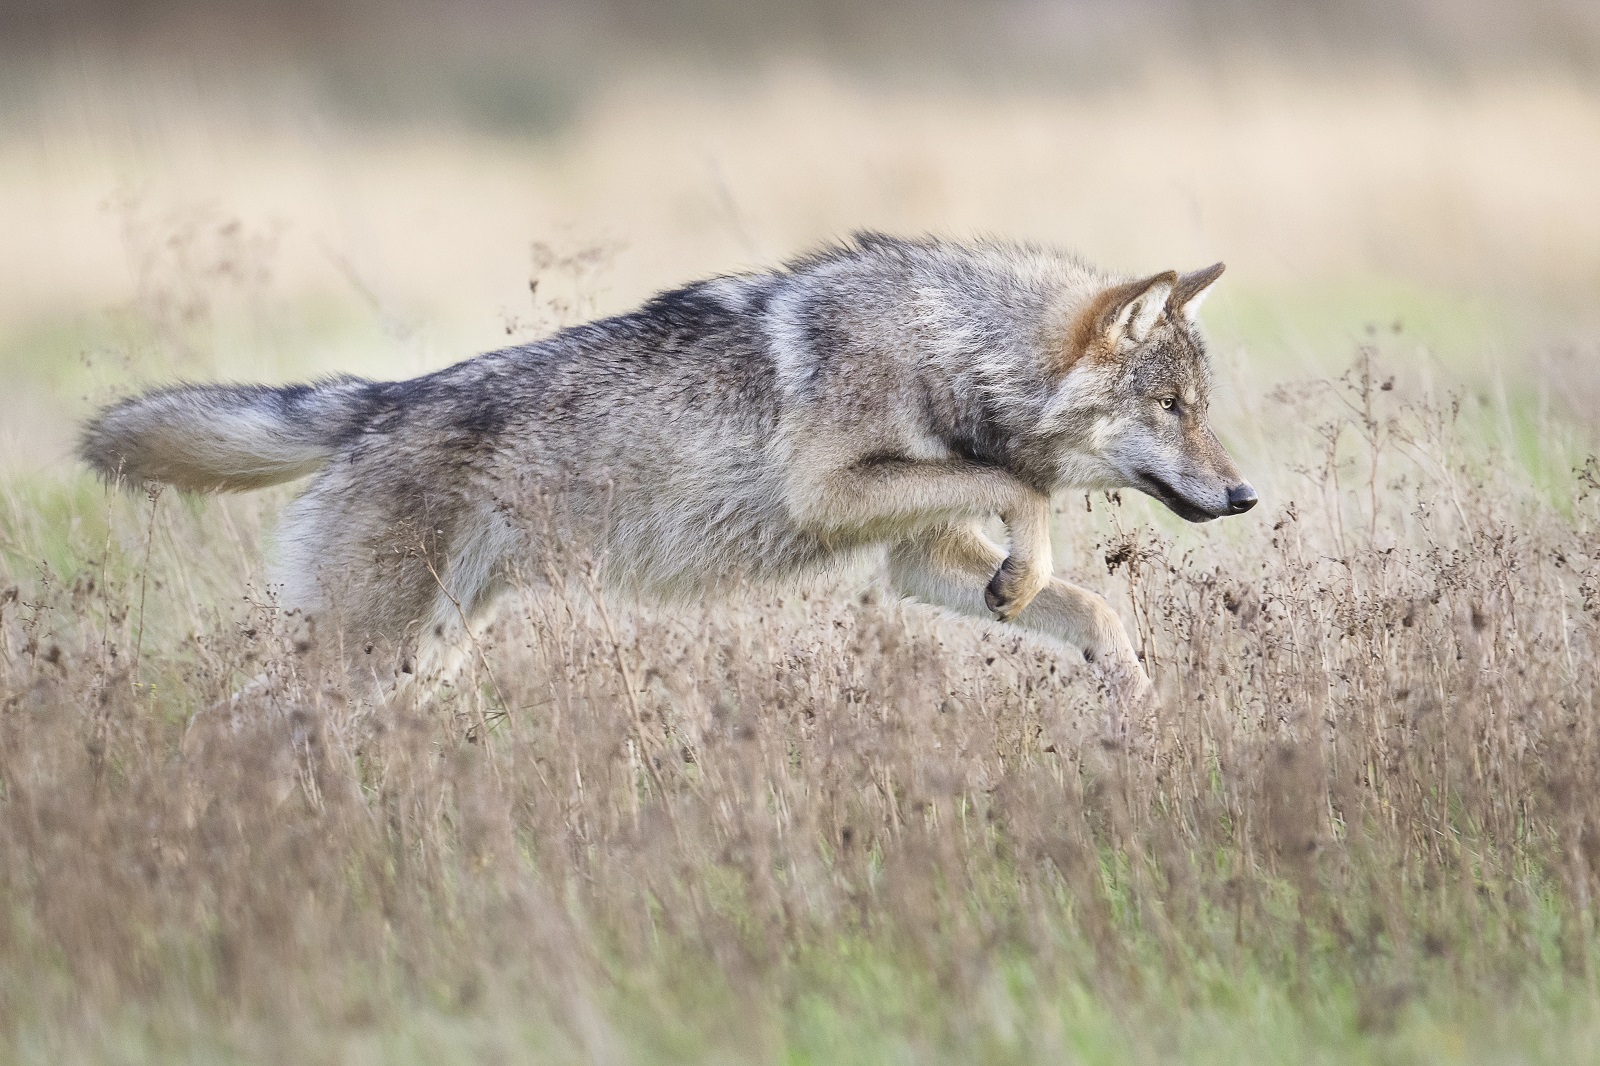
<point x="1191" y="291"/>
<point x="1140" y="303"/>
<point x="1121" y="312"/>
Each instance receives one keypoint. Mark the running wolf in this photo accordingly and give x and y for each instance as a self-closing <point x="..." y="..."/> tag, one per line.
<point x="882" y="396"/>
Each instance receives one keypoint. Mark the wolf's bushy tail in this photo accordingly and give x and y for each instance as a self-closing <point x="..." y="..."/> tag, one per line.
<point x="211" y="438"/>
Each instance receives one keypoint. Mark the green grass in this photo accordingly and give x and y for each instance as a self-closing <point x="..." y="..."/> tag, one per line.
<point x="856" y="1000"/>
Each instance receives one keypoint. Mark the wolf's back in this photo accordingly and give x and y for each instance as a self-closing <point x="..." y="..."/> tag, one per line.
<point x="211" y="438"/>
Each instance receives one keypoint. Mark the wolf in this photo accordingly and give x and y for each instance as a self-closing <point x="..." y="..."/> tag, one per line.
<point x="880" y="398"/>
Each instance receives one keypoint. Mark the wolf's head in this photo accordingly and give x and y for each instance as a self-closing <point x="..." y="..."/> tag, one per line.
<point x="1133" y="395"/>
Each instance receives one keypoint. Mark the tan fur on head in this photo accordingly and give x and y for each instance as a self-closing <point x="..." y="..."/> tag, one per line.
<point x="1121" y="312"/>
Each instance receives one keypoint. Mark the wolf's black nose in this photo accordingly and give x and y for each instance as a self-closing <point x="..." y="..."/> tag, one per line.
<point x="1241" y="498"/>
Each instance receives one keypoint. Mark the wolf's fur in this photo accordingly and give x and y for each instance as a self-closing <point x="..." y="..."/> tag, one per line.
<point x="883" y="394"/>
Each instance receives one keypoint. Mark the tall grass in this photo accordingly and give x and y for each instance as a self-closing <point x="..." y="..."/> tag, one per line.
<point x="822" y="826"/>
<point x="814" y="824"/>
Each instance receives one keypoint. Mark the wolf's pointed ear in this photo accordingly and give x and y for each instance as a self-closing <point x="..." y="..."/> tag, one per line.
<point x="1141" y="303"/>
<point x="1191" y="291"/>
<point x="1121" y="312"/>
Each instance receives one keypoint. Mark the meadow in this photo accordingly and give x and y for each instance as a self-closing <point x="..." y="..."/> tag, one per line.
<point x="815" y="825"/>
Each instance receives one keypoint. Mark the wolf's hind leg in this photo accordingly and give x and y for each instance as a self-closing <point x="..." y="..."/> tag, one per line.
<point x="464" y="600"/>
<point x="1027" y="570"/>
<point x="951" y="567"/>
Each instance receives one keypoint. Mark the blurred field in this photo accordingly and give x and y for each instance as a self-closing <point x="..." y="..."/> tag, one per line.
<point x="811" y="825"/>
<point x="186" y="235"/>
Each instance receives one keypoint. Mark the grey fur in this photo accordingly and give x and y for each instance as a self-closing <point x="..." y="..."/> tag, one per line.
<point x="881" y="394"/>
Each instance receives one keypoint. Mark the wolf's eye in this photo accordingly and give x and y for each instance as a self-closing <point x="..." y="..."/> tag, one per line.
<point x="1168" y="402"/>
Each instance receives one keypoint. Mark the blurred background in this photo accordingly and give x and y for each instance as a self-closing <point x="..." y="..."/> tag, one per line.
<point x="269" y="189"/>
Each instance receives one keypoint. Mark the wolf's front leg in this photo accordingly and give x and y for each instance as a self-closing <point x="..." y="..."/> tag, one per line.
<point x="952" y="566"/>
<point x="1026" y="571"/>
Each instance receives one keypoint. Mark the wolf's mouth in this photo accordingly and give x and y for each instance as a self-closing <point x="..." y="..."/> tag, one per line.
<point x="1159" y="489"/>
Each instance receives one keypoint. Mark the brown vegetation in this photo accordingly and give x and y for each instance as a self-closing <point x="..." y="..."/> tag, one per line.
<point x="1368" y="781"/>
<point x="814" y="825"/>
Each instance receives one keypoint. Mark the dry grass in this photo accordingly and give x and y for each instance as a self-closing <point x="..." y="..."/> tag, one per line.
<point x="825" y="828"/>
<point x="815" y="826"/>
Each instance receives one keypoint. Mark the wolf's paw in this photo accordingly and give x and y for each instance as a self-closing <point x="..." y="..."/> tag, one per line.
<point x="1012" y="588"/>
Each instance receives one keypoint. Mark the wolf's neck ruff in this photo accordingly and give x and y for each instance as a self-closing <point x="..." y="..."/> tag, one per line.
<point x="881" y="396"/>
